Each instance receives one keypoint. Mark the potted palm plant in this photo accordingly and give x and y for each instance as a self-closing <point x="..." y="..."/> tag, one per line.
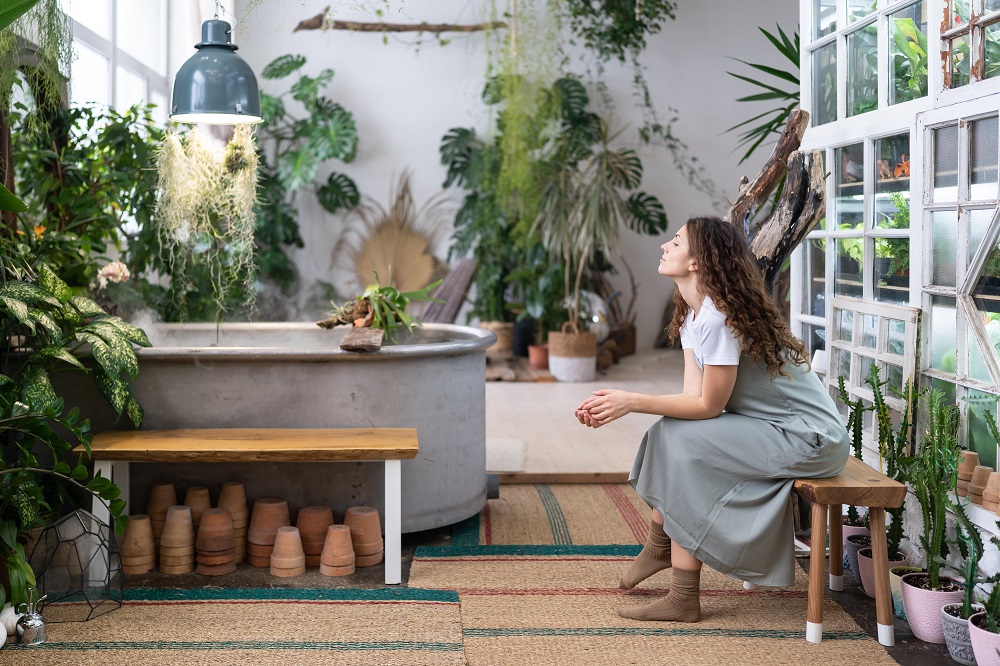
<point x="932" y="474"/>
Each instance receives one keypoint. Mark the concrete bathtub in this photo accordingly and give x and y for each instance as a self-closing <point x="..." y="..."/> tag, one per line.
<point x="296" y="376"/>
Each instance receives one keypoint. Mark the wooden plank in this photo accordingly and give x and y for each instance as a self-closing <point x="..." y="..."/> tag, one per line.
<point x="562" y="477"/>
<point x="364" y="339"/>
<point x="255" y="444"/>
<point x="858" y="484"/>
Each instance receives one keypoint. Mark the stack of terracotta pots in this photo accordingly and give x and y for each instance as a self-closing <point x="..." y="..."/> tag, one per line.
<point x="966" y="466"/>
<point x="177" y="541"/>
<point x="980" y="475"/>
<point x="366" y="535"/>
<point x="991" y="494"/>
<point x="215" y="543"/>
<point x="269" y="513"/>
<point x="197" y="498"/>
<point x="288" y="558"/>
<point x="337" y="558"/>
<point x="138" y="548"/>
<point x="313" y="522"/>
<point x="233" y="497"/>
<point x="161" y="495"/>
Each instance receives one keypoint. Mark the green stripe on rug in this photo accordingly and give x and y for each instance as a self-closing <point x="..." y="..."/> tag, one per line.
<point x="503" y="632"/>
<point x="402" y="594"/>
<point x="343" y="646"/>
<point x="535" y="550"/>
<point x="466" y="533"/>
<point x="557" y="519"/>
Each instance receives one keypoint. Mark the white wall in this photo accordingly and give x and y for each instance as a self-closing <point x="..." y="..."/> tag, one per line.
<point x="404" y="99"/>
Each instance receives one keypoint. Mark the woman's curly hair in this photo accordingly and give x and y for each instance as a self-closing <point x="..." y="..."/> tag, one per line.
<point x="730" y="276"/>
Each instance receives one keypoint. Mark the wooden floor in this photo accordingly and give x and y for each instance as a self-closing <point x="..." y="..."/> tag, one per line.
<point x="531" y="430"/>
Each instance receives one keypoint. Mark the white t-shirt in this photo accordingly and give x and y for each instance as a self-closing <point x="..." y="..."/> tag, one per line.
<point x="713" y="342"/>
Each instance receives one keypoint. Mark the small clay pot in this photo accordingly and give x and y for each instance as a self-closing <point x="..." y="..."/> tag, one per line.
<point x="258" y="561"/>
<point x="269" y="513"/>
<point x="366" y="530"/>
<point x="177" y="551"/>
<point x="174" y="570"/>
<point x="338" y="550"/>
<point x="312" y="560"/>
<point x="233" y="496"/>
<point x="992" y="485"/>
<point x="258" y="550"/>
<point x="178" y="529"/>
<point x="137" y="570"/>
<point x="287" y="544"/>
<point x="216" y="558"/>
<point x="288" y="573"/>
<point x="979" y="478"/>
<point x="288" y="562"/>
<point x="215" y="569"/>
<point x="967" y="464"/>
<point x="138" y="537"/>
<point x="327" y="570"/>
<point x="312" y="522"/>
<point x="138" y="560"/>
<point x="161" y="496"/>
<point x="216" y="531"/>
<point x="962" y="488"/>
<point x="198" y="499"/>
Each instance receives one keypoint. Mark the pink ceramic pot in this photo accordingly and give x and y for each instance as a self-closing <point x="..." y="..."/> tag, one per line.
<point x="923" y="607"/>
<point x="985" y="644"/>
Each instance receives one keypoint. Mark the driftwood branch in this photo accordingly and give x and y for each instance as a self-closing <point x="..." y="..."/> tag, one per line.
<point x="322" y="21"/>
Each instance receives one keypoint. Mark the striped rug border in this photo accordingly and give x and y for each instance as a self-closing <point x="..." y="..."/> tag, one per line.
<point x="629" y="513"/>
<point x="343" y="646"/>
<point x="612" y="632"/>
<point x="528" y="550"/>
<point x="555" y="514"/>
<point x="403" y="594"/>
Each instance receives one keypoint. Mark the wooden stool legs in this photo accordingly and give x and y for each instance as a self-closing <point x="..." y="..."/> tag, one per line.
<point x="880" y="557"/>
<point x="817" y="569"/>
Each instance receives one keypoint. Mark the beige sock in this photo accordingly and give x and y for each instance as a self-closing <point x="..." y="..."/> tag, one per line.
<point x="654" y="556"/>
<point x="682" y="603"/>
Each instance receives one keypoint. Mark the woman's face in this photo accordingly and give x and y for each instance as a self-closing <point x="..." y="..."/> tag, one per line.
<point x="676" y="261"/>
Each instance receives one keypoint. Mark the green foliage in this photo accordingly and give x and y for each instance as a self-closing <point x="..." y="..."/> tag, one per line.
<point x="970" y="546"/>
<point x="293" y="150"/>
<point x="909" y="62"/>
<point x="897" y="250"/>
<point x="385" y="307"/>
<point x="773" y="120"/>
<point x="855" y="427"/>
<point x="537" y="287"/>
<point x="932" y="474"/>
<point x="46" y="64"/>
<point x="616" y="29"/>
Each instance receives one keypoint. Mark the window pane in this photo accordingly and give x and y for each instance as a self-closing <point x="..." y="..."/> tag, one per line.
<point x="131" y="89"/>
<point x="814" y="338"/>
<point x="824" y="85"/>
<point x="979" y="222"/>
<point x="844" y="325"/>
<point x="140" y="32"/>
<point x="894" y="374"/>
<point x="862" y="70"/>
<point x="850" y="259"/>
<point x="869" y="331"/>
<point x="908" y="54"/>
<point x="94" y="14"/>
<point x="946" y="163"/>
<point x="160" y="110"/>
<point x="896" y="336"/>
<point x="858" y="9"/>
<point x="983" y="159"/>
<point x="992" y="51"/>
<point x="960" y="12"/>
<point x="977" y="368"/>
<point x="892" y="269"/>
<point x="892" y="182"/>
<point x="842" y="364"/>
<point x="824" y="17"/>
<point x="814" y="278"/>
<point x="959" y="57"/>
<point x="990" y="5"/>
<point x="944" y="231"/>
<point x="943" y="350"/>
<point x="982" y="406"/>
<point x="986" y="292"/>
<point x="848" y="207"/>
<point x="90" y="80"/>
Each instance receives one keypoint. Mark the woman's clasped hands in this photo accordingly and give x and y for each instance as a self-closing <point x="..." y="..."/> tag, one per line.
<point x="603" y="407"/>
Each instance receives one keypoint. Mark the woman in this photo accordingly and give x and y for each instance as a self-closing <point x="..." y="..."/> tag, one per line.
<point x="717" y="470"/>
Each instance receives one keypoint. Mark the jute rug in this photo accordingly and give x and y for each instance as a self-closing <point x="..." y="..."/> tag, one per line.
<point x="537" y="576"/>
<point x="259" y="627"/>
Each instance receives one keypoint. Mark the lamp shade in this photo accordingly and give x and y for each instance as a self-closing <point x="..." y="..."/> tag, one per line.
<point x="215" y="85"/>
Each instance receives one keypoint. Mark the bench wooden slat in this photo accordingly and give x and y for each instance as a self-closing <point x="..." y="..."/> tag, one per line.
<point x="256" y="444"/>
<point x="858" y="484"/>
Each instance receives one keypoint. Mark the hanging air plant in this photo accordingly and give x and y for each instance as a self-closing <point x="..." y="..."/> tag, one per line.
<point x="205" y="221"/>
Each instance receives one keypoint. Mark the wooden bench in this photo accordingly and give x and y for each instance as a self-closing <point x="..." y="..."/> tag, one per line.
<point x="113" y="451"/>
<point x="858" y="485"/>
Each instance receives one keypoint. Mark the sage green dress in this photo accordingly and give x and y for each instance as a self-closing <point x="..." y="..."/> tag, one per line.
<point x="723" y="485"/>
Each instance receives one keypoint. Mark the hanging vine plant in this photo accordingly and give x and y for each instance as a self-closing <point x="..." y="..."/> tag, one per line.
<point x="206" y="216"/>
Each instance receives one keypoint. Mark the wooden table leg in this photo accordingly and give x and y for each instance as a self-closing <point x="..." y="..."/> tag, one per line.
<point x="836" y="549"/>
<point x="880" y="560"/>
<point x="817" y="569"/>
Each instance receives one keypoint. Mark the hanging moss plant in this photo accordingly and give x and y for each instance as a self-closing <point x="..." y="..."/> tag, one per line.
<point x="46" y="62"/>
<point x="206" y="216"/>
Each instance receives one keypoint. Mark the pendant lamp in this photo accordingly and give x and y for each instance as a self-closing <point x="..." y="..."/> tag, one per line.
<point x="215" y="85"/>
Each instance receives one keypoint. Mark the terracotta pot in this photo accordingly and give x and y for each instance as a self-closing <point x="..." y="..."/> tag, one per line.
<point x="263" y="562"/>
<point x="224" y="557"/>
<point x="967" y="465"/>
<point x="176" y="560"/>
<point x="198" y="499"/>
<point x="259" y="551"/>
<point x="368" y="560"/>
<point x="977" y="485"/>
<point x="313" y="522"/>
<point x="287" y="543"/>
<point x="327" y="570"/>
<point x="139" y="560"/>
<point x="538" y="357"/>
<point x="992" y="486"/>
<point x="178" y="528"/>
<point x="174" y="570"/>
<point x="854" y="543"/>
<point x="895" y="582"/>
<point x="985" y="644"/>
<point x="161" y="496"/>
<point x="233" y="496"/>
<point x="866" y="569"/>
<point x="338" y="550"/>
<point x="313" y="560"/>
<point x="138" y="537"/>
<point x="137" y="571"/>
<point x="956" y="633"/>
<point x="176" y="551"/>
<point x="962" y="487"/>
<point x="923" y="607"/>
<point x="216" y="531"/>
<point x="269" y="513"/>
<point x="366" y="530"/>
<point x="215" y="569"/>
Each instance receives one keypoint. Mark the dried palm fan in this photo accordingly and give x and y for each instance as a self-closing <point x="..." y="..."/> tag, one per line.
<point x="394" y="244"/>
